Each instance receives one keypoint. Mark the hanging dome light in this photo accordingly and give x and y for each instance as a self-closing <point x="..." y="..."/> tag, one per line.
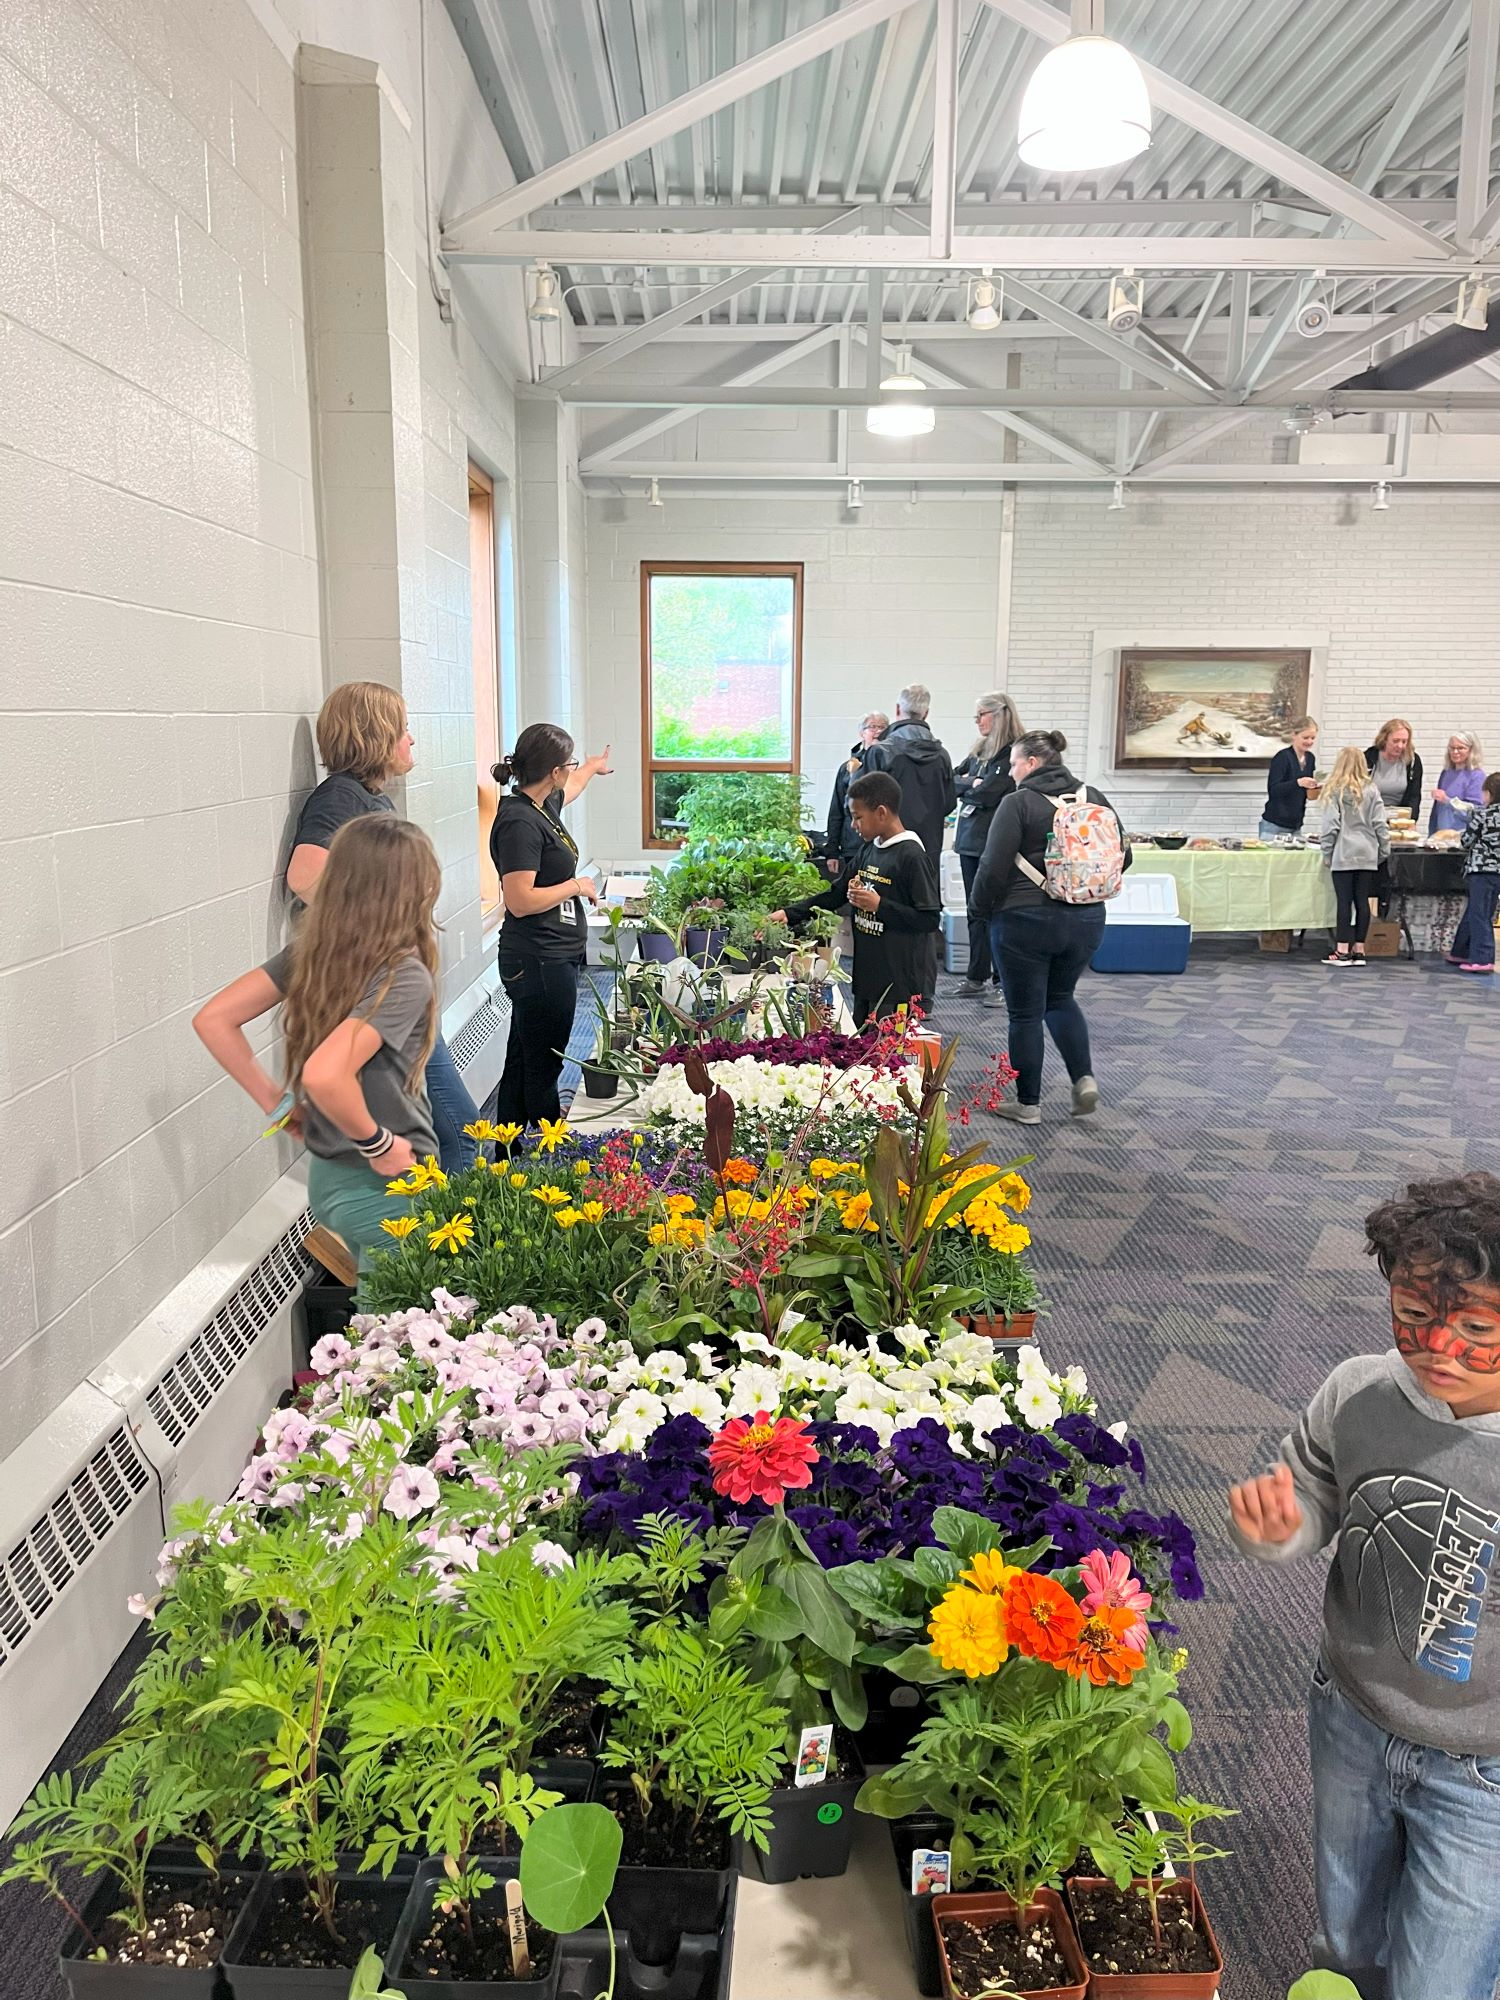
<point x="900" y="416"/>
<point x="1086" y="106"/>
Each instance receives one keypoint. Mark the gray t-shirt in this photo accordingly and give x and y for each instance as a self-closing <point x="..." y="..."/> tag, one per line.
<point x="1409" y="1495"/>
<point x="1391" y="780"/>
<point x="399" y="1014"/>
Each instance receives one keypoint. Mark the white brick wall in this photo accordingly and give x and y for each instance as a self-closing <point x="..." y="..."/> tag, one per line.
<point x="159" y="596"/>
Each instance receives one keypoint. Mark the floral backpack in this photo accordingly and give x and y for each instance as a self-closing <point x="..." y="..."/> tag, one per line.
<point x="1085" y="855"/>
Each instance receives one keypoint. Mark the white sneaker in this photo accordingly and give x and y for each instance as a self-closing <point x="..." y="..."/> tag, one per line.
<point x="1085" y="1097"/>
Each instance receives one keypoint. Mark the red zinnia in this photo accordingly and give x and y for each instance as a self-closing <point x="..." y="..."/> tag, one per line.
<point x="1044" y="1621"/>
<point x="762" y="1460"/>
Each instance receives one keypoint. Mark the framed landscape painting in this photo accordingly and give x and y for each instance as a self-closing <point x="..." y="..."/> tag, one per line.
<point x="1182" y="706"/>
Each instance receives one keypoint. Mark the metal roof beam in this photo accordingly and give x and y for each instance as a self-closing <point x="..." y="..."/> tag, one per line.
<point x="1329" y="354"/>
<point x="1478" y="138"/>
<point x="1011" y="472"/>
<point x="1239" y="212"/>
<point x="945" y="128"/>
<point x="1103" y="341"/>
<point x="1245" y="139"/>
<point x="668" y="119"/>
<point x="742" y="396"/>
<point x="688" y="249"/>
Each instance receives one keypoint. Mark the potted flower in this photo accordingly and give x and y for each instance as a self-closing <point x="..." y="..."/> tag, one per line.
<point x="1143" y="1927"/>
<point x="148" y="1927"/>
<point x="981" y="1248"/>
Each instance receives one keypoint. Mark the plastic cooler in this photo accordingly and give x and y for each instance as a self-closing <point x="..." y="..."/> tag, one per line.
<point x="1142" y="930"/>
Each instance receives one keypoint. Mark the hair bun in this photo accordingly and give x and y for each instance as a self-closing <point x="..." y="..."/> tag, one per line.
<point x="1058" y="741"/>
<point x="502" y="772"/>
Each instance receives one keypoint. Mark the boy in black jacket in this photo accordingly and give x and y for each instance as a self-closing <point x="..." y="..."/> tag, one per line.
<point x="892" y="888"/>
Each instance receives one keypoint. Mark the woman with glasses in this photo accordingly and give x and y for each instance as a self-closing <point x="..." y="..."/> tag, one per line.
<point x="544" y="938"/>
<point x="982" y="781"/>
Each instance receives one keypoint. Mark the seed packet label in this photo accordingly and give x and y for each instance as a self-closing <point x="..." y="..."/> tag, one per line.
<point x="814" y="1751"/>
<point x="931" y="1872"/>
<point x="515" y="1917"/>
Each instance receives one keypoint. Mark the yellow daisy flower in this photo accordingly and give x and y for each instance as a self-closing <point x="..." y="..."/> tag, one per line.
<point x="592" y="1211"/>
<point x="566" y="1217"/>
<point x="399" y="1225"/>
<point x="552" y="1195"/>
<point x="454" y="1235"/>
<point x="554" y="1131"/>
<point x="481" y="1129"/>
<point x="507" y="1134"/>
<point x="516" y="1180"/>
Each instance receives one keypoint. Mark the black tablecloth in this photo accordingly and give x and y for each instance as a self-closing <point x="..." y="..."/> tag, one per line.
<point x="1427" y="872"/>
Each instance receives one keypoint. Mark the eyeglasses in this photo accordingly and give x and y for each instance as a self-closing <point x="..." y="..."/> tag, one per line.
<point x="573" y="764"/>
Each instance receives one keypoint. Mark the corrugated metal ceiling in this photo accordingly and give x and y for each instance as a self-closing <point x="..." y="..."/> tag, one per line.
<point x="855" y="125"/>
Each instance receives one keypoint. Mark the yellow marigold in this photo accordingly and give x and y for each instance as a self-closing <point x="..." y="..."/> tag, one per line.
<point x="592" y="1211"/>
<point x="968" y="1632"/>
<point x="1011" y="1238"/>
<point x="679" y="1204"/>
<point x="989" y="1573"/>
<point x="803" y="1195"/>
<point x="686" y="1231"/>
<point x="566" y="1217"/>
<point x="855" y="1213"/>
<point x="657" y="1233"/>
<point x="453" y="1236"/>
<point x="399" y="1225"/>
<point x="742" y="1172"/>
<point x="555" y="1197"/>
<point x="825" y="1170"/>
<point x="1014" y="1192"/>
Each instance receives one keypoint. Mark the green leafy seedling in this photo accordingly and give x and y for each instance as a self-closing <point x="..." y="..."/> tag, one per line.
<point x="1323" y="1986"/>
<point x="568" y="1866"/>
<point x="365" y="1985"/>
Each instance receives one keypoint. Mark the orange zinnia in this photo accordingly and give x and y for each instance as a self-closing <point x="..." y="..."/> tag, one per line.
<point x="1101" y="1653"/>
<point x="1044" y="1621"/>
<point x="741" y="1171"/>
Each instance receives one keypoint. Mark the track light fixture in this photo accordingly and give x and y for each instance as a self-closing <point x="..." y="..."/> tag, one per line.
<point x="1086" y="104"/>
<point x="1380" y="499"/>
<point x="653" y="494"/>
<point x="1117" y="499"/>
<point x="1473" y="308"/>
<point x="544" y="300"/>
<point x="984" y="304"/>
<point x="1127" y="297"/>
<point x="856" y="498"/>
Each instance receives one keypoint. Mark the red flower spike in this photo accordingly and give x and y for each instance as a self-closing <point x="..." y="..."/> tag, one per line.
<point x="763" y="1460"/>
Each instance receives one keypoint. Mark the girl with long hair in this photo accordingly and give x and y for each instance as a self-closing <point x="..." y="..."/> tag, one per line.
<point x="358" y="991"/>
<point x="982" y="780"/>
<point x="543" y="941"/>
<point x="1356" y="842"/>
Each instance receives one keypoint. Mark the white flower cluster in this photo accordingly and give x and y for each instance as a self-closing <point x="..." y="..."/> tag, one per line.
<point x="964" y="1381"/>
<point x="764" y="1087"/>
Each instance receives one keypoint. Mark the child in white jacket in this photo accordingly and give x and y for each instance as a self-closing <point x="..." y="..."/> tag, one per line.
<point x="1356" y="840"/>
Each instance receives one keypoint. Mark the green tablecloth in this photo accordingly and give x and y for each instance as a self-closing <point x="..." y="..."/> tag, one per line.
<point x="1260" y="889"/>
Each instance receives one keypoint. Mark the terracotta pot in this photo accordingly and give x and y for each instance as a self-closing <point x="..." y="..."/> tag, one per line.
<point x="1019" y="1328"/>
<point x="929" y="1050"/>
<point x="988" y="1907"/>
<point x="1156" y="1985"/>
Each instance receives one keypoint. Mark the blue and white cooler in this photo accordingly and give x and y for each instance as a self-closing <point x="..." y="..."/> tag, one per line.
<point x="1142" y="930"/>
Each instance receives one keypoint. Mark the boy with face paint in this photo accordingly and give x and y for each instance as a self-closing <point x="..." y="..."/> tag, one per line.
<point x="1397" y="1465"/>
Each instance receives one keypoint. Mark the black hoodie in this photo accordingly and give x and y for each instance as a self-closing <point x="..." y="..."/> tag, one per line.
<point x="1021" y="825"/>
<point x="895" y="945"/>
<point x="924" y="771"/>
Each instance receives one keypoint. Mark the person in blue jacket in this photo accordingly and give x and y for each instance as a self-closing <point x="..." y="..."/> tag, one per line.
<point x="1290" y="783"/>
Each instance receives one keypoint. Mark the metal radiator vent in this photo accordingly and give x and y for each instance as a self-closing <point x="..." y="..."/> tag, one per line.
<point x="206" y="1364"/>
<point x="41" y="1565"/>
<point x="481" y="1025"/>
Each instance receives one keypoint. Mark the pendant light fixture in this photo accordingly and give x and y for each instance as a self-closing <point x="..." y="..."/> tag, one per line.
<point x="898" y="414"/>
<point x="984" y="304"/>
<point x="1086" y="105"/>
<point x="544" y="305"/>
<point x="1380" y="499"/>
<point x="1117" y="499"/>
<point x="653" y="494"/>
<point x="856" y="498"/>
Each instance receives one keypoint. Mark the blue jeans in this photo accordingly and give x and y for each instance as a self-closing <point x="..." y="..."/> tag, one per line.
<point x="1041" y="954"/>
<point x="1269" y="830"/>
<point x="1474" y="940"/>
<point x="452" y="1109"/>
<point x="1405" y="1840"/>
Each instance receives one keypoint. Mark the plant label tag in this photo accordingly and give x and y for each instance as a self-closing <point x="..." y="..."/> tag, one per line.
<point x="814" y="1754"/>
<point x="515" y="1917"/>
<point x="931" y="1872"/>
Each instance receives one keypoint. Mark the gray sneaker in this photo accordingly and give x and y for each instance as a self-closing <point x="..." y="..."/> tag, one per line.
<point x="971" y="989"/>
<point x="1020" y="1114"/>
<point x="993" y="997"/>
<point x="1085" y="1097"/>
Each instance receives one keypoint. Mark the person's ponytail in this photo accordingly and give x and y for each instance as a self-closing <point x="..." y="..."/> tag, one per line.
<point x="503" y="773"/>
<point x="541" y="747"/>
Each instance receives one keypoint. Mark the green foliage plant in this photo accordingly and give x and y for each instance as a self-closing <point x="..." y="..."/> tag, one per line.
<point x="568" y="1868"/>
<point x="805" y="1636"/>
<point x="742" y="805"/>
<point x="1140" y="1853"/>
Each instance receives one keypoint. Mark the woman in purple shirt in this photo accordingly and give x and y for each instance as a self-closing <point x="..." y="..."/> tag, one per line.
<point x="1461" y="787"/>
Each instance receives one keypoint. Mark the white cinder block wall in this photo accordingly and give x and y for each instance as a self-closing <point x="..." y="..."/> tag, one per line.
<point x="1402" y="607"/>
<point x="159" y="595"/>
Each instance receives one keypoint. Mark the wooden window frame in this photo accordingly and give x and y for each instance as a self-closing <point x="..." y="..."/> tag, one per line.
<point x="650" y="764"/>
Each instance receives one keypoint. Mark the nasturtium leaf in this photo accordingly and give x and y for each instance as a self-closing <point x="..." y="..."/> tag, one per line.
<point x="568" y="1864"/>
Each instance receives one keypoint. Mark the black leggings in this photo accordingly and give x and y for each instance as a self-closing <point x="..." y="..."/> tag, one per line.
<point x="980" y="967"/>
<point x="1353" y="887"/>
<point x="543" y="995"/>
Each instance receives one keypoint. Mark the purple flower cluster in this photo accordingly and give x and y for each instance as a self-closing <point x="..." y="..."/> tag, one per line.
<point x="1076" y="1484"/>
<point x="864" y="1050"/>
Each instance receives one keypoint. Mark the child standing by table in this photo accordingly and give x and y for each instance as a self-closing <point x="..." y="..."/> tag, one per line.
<point x="1397" y="1464"/>
<point x="1356" y="840"/>
<point x="1474" y="941"/>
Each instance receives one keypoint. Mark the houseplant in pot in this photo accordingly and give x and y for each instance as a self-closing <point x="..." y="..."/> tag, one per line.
<point x="981" y="1247"/>
<point x="1143" y="1929"/>
<point x="147" y="1929"/>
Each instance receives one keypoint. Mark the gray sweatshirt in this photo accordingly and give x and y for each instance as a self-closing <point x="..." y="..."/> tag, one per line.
<point x="1355" y="833"/>
<point x="1409" y="1495"/>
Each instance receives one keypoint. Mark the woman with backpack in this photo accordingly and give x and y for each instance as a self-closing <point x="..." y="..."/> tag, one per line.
<point x="1046" y="922"/>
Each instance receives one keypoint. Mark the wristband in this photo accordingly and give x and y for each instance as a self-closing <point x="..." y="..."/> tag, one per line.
<point x="379" y="1142"/>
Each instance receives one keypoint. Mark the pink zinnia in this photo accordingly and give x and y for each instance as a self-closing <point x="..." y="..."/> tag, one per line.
<point x="763" y="1460"/>
<point x="1107" y="1579"/>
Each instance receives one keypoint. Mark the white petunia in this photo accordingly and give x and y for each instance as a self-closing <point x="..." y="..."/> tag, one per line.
<point x="706" y="1358"/>
<point x="914" y="1338"/>
<point x="1076" y="1380"/>
<point x="753" y="1387"/>
<point x="663" y="1367"/>
<point x="1118" y="1431"/>
<point x="863" y="1399"/>
<point x="698" y="1399"/>
<point x="753" y="1343"/>
<point x="985" y="1414"/>
<point x="640" y="1406"/>
<point x="1038" y="1403"/>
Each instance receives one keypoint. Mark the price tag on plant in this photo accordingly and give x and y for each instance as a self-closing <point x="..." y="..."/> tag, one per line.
<point x="931" y="1871"/>
<point x="515" y="1917"/>
<point x="814" y="1754"/>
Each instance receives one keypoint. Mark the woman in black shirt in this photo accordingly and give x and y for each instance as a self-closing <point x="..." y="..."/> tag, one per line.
<point x="545" y="934"/>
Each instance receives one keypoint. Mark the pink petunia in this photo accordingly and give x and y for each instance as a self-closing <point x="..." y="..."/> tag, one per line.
<point x="1107" y="1579"/>
<point x="331" y="1352"/>
<point x="412" y="1490"/>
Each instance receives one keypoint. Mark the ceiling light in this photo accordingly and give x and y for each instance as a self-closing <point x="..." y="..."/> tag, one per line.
<point x="653" y="494"/>
<point x="1085" y="106"/>
<point x="900" y="417"/>
<point x="856" y="495"/>
<point x="544" y="304"/>
<point x="984" y="305"/>
<point x="1380" y="499"/>
<point x="1473" y="308"/>
<point x="1117" y="499"/>
<point x="1127" y="297"/>
<point x="1300" y="419"/>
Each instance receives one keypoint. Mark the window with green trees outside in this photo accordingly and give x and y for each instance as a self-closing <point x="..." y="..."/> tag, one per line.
<point x="721" y="677"/>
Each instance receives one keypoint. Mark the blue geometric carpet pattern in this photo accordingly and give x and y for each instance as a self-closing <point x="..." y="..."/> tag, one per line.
<point x="1201" y="1238"/>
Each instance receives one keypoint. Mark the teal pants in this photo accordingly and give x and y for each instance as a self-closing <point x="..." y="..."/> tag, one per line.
<point x="352" y="1202"/>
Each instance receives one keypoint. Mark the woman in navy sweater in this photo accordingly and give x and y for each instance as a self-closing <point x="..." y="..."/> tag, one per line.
<point x="1290" y="783"/>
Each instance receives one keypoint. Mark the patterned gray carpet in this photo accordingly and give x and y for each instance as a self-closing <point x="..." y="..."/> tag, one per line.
<point x="1201" y="1236"/>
